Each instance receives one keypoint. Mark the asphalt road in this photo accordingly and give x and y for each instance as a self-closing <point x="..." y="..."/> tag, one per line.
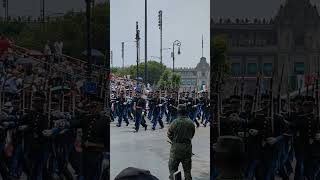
<point x="150" y="150"/>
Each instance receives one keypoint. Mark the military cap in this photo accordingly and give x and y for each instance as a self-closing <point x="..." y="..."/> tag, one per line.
<point x="298" y="99"/>
<point x="265" y="97"/>
<point x="182" y="107"/>
<point x="38" y="96"/>
<point x="234" y="99"/>
<point x="308" y="100"/>
<point x="138" y="90"/>
<point x="248" y="97"/>
<point x="229" y="144"/>
<point x="225" y="101"/>
<point x="7" y="104"/>
<point x="135" y="174"/>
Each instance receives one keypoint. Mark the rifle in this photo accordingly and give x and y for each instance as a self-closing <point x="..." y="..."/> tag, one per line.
<point x="288" y="94"/>
<point x="242" y="94"/>
<point x="317" y="95"/>
<point x="255" y="101"/>
<point x="217" y="110"/>
<point x="235" y="89"/>
<point x="271" y="104"/>
<point x="279" y="91"/>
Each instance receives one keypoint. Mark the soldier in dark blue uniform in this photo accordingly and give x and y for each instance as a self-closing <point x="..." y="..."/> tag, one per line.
<point x="140" y="105"/>
<point x="150" y="111"/>
<point x="206" y="109"/>
<point x="192" y="108"/>
<point x="268" y="132"/>
<point x="156" y="106"/>
<point x="172" y="107"/>
<point x="122" y="106"/>
<point x="306" y="141"/>
<point x="36" y="144"/>
<point x="231" y="123"/>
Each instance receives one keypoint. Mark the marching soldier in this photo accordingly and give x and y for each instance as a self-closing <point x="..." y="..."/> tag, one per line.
<point x="206" y="109"/>
<point x="150" y="97"/>
<point x="231" y="123"/>
<point x="37" y="145"/>
<point x="139" y="107"/>
<point x="267" y="131"/>
<point x="172" y="104"/>
<point x="192" y="108"/>
<point x="156" y="106"/>
<point x="306" y="141"/>
<point x="122" y="105"/>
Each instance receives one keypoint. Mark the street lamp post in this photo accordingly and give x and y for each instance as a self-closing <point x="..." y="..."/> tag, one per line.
<point x="175" y="43"/>
<point x="138" y="47"/>
<point x="160" y="27"/>
<point x="88" y="15"/>
<point x="145" y="44"/>
<point x="43" y="11"/>
<point x="122" y="54"/>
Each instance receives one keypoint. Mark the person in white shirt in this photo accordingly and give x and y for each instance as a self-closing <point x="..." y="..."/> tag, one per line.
<point x="47" y="51"/>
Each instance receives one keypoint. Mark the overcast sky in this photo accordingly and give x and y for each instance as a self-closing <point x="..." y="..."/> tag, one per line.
<point x="32" y="7"/>
<point x="247" y="8"/>
<point x="184" y="20"/>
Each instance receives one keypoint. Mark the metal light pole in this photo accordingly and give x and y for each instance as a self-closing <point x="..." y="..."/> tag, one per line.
<point x="111" y="58"/>
<point x="6" y="9"/>
<point x="160" y="27"/>
<point x="88" y="15"/>
<point x="122" y="54"/>
<point x="175" y="43"/>
<point x="138" y="47"/>
<point x="42" y="10"/>
<point x="145" y="44"/>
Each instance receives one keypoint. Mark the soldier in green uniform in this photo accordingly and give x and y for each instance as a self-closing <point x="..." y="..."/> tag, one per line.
<point x="180" y="133"/>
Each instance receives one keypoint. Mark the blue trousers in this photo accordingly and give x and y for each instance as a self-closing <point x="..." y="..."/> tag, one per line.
<point x="91" y="165"/>
<point x="122" y="115"/>
<point x="39" y="163"/>
<point x="173" y="116"/>
<point x="138" y="119"/>
<point x="155" y="119"/>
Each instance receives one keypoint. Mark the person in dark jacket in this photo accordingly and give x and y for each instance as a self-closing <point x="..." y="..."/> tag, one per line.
<point x="95" y="128"/>
<point x="132" y="173"/>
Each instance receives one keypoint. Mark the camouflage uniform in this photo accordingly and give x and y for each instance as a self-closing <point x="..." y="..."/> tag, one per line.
<point x="181" y="132"/>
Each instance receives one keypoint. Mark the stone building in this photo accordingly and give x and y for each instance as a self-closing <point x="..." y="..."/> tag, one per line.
<point x="291" y="39"/>
<point x="195" y="78"/>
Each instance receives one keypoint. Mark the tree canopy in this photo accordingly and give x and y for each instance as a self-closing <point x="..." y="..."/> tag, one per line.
<point x="69" y="28"/>
<point x="220" y="67"/>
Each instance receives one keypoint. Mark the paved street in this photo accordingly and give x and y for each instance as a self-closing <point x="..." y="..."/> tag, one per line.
<point x="150" y="150"/>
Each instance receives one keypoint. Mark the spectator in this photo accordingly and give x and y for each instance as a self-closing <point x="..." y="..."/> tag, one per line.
<point x="229" y="158"/>
<point x="47" y="51"/>
<point x="132" y="173"/>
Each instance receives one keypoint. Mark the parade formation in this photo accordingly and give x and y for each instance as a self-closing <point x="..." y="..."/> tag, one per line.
<point x="53" y="120"/>
<point x="131" y="101"/>
<point x="279" y="133"/>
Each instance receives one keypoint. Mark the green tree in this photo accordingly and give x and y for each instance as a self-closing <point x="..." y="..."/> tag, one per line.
<point x="175" y="80"/>
<point x="71" y="29"/>
<point x="154" y="71"/>
<point x="164" y="82"/>
<point x="220" y="67"/>
<point x="169" y="80"/>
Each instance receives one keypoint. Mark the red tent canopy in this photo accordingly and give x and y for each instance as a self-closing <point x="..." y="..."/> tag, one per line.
<point x="4" y="45"/>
